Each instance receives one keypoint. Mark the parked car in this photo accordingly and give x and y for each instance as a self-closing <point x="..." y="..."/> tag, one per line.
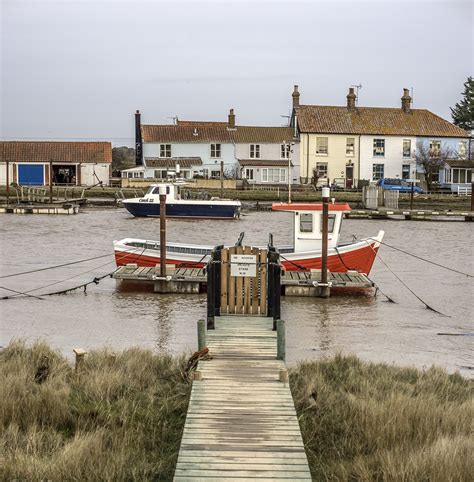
<point x="398" y="185"/>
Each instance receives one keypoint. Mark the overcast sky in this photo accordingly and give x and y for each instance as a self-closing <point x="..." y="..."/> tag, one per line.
<point x="79" y="69"/>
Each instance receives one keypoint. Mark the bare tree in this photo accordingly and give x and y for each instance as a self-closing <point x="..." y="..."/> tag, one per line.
<point x="431" y="159"/>
<point x="232" y="172"/>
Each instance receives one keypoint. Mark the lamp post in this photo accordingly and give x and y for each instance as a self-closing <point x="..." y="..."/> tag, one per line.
<point x="326" y="192"/>
<point x="162" y="231"/>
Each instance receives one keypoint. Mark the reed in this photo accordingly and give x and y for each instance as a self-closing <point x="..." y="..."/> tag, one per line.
<point x="120" y="418"/>
<point x="371" y="422"/>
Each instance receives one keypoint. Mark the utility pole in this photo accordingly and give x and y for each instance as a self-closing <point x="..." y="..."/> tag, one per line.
<point x="289" y="169"/>
<point x="8" y="181"/>
<point x="222" y="179"/>
<point x="163" y="231"/>
<point x="51" y="182"/>
<point x="326" y="192"/>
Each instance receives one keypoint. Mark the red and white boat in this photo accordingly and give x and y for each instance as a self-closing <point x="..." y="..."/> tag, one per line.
<point x="303" y="255"/>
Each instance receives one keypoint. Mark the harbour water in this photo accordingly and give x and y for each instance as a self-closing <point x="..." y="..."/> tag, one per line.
<point x="108" y="314"/>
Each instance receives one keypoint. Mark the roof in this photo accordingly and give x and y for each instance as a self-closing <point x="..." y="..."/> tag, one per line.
<point x="190" y="131"/>
<point x="309" y="207"/>
<point x="374" y="121"/>
<point x="172" y="161"/>
<point x="263" y="162"/>
<point x="463" y="163"/>
<point x="39" y="151"/>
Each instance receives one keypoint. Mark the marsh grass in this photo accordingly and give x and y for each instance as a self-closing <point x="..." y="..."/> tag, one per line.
<point x="120" y="419"/>
<point x="375" y="422"/>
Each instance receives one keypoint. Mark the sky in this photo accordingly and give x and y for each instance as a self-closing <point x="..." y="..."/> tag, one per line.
<point x="78" y="70"/>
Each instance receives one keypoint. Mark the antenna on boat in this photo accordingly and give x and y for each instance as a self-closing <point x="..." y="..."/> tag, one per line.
<point x="241" y="238"/>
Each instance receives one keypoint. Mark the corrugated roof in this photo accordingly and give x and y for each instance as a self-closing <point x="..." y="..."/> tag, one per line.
<point x="374" y="121"/>
<point x="172" y="161"/>
<point x="214" y="132"/>
<point x="263" y="162"/>
<point x="39" y="151"/>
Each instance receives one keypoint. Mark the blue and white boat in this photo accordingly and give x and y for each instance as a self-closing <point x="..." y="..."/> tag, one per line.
<point x="149" y="205"/>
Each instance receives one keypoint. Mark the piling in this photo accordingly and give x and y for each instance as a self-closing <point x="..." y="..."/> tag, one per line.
<point x="324" y="261"/>
<point x="281" y="341"/>
<point x="201" y="327"/>
<point x="8" y="181"/>
<point x="222" y="179"/>
<point x="79" y="358"/>
<point x="163" y="231"/>
<point x="50" y="181"/>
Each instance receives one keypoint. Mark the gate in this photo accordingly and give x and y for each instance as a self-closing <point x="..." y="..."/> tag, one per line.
<point x="242" y="280"/>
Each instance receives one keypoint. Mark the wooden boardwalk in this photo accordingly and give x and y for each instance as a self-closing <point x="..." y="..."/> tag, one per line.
<point x="241" y="422"/>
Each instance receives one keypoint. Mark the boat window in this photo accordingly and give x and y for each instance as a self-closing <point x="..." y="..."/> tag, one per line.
<point x="167" y="189"/>
<point x="306" y="223"/>
<point x="150" y="190"/>
<point x="156" y="190"/>
<point x="331" y="222"/>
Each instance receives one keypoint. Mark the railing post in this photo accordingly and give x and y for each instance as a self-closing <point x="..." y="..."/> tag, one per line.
<point x="270" y="284"/>
<point x="281" y="340"/>
<point x="210" y="293"/>
<point x="201" y="327"/>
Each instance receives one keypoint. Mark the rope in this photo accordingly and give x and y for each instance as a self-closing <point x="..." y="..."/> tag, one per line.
<point x="423" y="259"/>
<point x="302" y="268"/>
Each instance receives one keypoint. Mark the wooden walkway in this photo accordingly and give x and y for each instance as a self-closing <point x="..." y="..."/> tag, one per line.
<point x="241" y="422"/>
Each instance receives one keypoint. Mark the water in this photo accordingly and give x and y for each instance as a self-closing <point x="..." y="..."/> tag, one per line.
<point x="404" y="333"/>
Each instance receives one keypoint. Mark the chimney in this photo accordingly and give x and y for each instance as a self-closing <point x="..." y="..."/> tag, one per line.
<point x="351" y="99"/>
<point x="406" y="101"/>
<point x="296" y="97"/>
<point x="138" y="139"/>
<point x="231" y="122"/>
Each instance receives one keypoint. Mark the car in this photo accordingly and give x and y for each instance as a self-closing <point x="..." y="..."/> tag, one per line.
<point x="398" y="185"/>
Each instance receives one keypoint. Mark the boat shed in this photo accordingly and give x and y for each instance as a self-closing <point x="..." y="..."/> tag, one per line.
<point x="31" y="163"/>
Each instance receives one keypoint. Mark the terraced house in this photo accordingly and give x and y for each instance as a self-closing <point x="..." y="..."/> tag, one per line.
<point x="257" y="154"/>
<point x="353" y="145"/>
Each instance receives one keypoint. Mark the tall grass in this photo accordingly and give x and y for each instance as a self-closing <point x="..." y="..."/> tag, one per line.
<point x="374" y="422"/>
<point x="121" y="418"/>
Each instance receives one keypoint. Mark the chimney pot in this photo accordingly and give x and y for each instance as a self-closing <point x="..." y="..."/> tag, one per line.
<point x="296" y="97"/>
<point x="351" y="99"/>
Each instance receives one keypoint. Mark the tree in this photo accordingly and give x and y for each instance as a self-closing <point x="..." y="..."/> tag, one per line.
<point x="431" y="159"/>
<point x="463" y="112"/>
<point x="122" y="158"/>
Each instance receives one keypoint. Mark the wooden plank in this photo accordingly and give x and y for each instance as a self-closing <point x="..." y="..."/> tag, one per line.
<point x="231" y="281"/>
<point x="224" y="281"/>
<point x="239" y="289"/>
<point x="254" y="283"/>
<point x="263" y="283"/>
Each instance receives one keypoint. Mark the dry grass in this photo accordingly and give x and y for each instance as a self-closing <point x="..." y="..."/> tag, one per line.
<point x="374" y="422"/>
<point x="121" y="419"/>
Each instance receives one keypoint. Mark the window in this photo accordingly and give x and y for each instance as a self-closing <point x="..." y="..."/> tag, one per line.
<point x="435" y="147"/>
<point x="306" y="223"/>
<point x="215" y="150"/>
<point x="216" y="174"/>
<point x="285" y="151"/>
<point x="160" y="174"/>
<point x="406" y="147"/>
<point x="377" y="171"/>
<point x="461" y="176"/>
<point x="350" y="141"/>
<point x="249" y="173"/>
<point x="379" y="148"/>
<point x="405" y="171"/>
<point x="331" y="222"/>
<point x="322" y="146"/>
<point x="273" y="175"/>
<point x="322" y="169"/>
<point x="165" y="150"/>
<point x="254" y="151"/>
<point x="462" y="150"/>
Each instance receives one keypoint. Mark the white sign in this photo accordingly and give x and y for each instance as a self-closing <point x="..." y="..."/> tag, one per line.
<point x="243" y="265"/>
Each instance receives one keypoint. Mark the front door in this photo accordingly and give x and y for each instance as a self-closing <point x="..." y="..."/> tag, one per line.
<point x="349" y="176"/>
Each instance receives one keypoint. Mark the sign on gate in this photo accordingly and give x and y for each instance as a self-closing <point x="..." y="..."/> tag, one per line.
<point x="243" y="265"/>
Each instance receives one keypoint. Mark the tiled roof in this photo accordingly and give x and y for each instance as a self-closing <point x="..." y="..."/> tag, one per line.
<point x="374" y="121"/>
<point x="214" y="132"/>
<point x="467" y="164"/>
<point x="28" y="151"/>
<point x="172" y="161"/>
<point x="263" y="162"/>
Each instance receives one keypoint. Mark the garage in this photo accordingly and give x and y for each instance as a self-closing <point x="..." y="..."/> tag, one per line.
<point x="31" y="174"/>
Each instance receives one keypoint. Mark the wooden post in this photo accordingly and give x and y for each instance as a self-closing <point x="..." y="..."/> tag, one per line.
<point x="50" y="182"/>
<point x="79" y="358"/>
<point x="412" y="194"/>
<point x="281" y="340"/>
<point x="162" y="231"/>
<point x="222" y="179"/>
<point x="472" y="190"/>
<point x="8" y="181"/>
<point x="201" y="326"/>
<point x="324" y="260"/>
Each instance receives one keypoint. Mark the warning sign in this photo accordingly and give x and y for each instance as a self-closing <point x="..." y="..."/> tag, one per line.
<point x="243" y="265"/>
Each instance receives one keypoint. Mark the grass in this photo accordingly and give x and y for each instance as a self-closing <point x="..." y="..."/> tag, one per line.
<point x="122" y="417"/>
<point x="375" y="422"/>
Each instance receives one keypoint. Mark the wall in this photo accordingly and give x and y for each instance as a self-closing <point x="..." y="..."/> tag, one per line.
<point x="336" y="157"/>
<point x="393" y="159"/>
<point x="195" y="183"/>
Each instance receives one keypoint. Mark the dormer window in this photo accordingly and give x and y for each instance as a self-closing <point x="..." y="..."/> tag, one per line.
<point x="165" y="150"/>
<point x="254" y="151"/>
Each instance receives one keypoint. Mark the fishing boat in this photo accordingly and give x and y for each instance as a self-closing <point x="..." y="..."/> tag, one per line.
<point x="303" y="255"/>
<point x="176" y="207"/>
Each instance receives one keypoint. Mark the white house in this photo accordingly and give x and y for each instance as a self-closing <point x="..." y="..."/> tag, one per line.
<point x="67" y="163"/>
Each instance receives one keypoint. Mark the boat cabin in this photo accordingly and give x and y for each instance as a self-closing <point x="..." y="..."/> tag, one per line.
<point x="173" y="192"/>
<point x="308" y="224"/>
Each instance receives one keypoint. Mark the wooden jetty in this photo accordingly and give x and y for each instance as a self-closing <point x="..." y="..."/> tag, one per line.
<point x="65" y="208"/>
<point x="241" y="422"/>
<point x="410" y="215"/>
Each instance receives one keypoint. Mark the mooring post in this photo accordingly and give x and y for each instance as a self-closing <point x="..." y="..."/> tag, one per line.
<point x="8" y="181"/>
<point x="162" y="231"/>
<point x="210" y="292"/>
<point x="50" y="181"/>
<point x="201" y="326"/>
<point x="79" y="358"/>
<point x="324" y="260"/>
<point x="222" y="179"/>
<point x="281" y="340"/>
<point x="412" y="194"/>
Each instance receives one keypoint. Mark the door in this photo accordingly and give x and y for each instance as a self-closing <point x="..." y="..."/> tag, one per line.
<point x="349" y="176"/>
<point x="31" y="174"/>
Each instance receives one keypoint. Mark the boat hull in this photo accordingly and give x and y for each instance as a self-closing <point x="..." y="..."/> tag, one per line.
<point x="184" y="210"/>
<point x="358" y="256"/>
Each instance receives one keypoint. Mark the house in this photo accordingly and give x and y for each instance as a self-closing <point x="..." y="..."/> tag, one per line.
<point x="69" y="163"/>
<point x="199" y="148"/>
<point x="354" y="145"/>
